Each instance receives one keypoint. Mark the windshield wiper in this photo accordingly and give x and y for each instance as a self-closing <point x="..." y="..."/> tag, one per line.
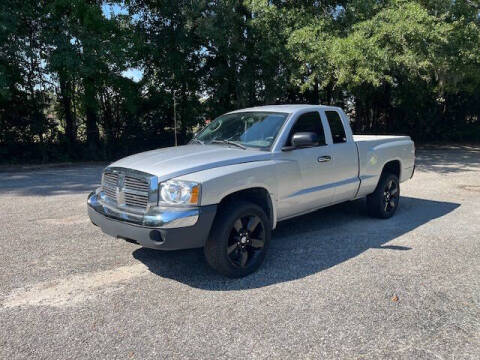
<point x="197" y="141"/>
<point x="229" y="142"/>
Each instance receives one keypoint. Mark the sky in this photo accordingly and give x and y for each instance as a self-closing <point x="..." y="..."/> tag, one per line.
<point x="114" y="9"/>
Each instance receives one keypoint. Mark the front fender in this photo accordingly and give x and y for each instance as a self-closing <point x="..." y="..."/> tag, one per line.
<point x="220" y="182"/>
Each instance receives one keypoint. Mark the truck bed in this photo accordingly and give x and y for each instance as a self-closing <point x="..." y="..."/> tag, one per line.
<point x="375" y="150"/>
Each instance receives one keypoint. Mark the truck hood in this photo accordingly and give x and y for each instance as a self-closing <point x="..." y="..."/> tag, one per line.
<point x="172" y="162"/>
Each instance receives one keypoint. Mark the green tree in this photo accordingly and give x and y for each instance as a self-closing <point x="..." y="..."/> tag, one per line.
<point x="399" y="66"/>
<point x="168" y="50"/>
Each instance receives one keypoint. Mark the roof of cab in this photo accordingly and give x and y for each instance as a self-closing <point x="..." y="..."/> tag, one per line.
<point x="280" y="108"/>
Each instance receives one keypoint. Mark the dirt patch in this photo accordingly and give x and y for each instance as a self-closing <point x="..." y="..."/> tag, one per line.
<point x="70" y="220"/>
<point x="74" y="289"/>
<point x="475" y="188"/>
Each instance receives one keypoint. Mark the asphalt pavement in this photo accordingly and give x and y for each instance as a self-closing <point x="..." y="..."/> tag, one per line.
<point x="335" y="284"/>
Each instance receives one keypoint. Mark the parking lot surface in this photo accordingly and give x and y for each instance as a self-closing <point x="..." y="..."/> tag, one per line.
<point x="335" y="284"/>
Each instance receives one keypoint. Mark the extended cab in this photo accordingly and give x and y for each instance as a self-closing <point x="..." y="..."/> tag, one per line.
<point x="243" y="173"/>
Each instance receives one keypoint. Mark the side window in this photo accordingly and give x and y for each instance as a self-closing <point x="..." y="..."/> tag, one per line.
<point x="336" y="127"/>
<point x="308" y="122"/>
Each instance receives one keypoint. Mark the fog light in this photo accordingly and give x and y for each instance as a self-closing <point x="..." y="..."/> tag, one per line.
<point x="156" y="235"/>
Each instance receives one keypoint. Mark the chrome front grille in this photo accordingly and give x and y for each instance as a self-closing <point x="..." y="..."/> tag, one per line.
<point x="136" y="200"/>
<point x="110" y="181"/>
<point x="136" y="184"/>
<point x="129" y="188"/>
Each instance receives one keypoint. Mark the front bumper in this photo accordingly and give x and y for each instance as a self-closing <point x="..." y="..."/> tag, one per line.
<point x="161" y="228"/>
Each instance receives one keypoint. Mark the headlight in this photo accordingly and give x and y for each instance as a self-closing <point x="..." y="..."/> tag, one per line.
<point x="175" y="192"/>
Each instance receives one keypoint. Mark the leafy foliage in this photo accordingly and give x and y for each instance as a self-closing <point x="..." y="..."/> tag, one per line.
<point x="398" y="66"/>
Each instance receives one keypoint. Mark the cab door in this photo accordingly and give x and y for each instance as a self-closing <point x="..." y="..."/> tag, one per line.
<point x="344" y="156"/>
<point x="309" y="184"/>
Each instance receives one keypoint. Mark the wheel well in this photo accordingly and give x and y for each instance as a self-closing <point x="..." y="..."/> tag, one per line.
<point x="257" y="195"/>
<point x="392" y="167"/>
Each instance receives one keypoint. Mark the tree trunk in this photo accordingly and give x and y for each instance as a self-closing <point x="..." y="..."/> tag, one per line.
<point x="90" y="103"/>
<point x="66" y="101"/>
<point x="108" y="125"/>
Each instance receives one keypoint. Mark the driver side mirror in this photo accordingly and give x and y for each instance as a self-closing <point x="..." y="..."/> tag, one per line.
<point x="304" y="140"/>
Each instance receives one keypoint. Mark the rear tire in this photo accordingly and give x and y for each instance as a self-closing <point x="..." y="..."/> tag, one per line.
<point x="239" y="239"/>
<point x="383" y="202"/>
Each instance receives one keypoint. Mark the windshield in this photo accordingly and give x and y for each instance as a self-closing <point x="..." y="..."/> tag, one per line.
<point x="253" y="129"/>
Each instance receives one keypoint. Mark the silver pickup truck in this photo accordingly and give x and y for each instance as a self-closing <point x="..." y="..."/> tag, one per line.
<point x="243" y="173"/>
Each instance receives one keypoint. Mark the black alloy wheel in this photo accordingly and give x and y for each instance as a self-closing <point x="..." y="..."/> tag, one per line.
<point x="390" y="196"/>
<point x="239" y="239"/>
<point x="383" y="202"/>
<point x="246" y="240"/>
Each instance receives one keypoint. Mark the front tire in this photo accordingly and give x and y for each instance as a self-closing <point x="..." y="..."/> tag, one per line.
<point x="239" y="239"/>
<point x="383" y="202"/>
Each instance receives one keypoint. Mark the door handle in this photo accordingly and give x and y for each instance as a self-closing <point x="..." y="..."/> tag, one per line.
<point x="325" y="158"/>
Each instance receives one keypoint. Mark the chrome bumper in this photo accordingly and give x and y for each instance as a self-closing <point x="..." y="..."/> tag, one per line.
<point x="158" y="228"/>
<point x="155" y="217"/>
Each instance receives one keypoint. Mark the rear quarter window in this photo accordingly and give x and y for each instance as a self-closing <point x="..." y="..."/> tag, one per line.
<point x="336" y="127"/>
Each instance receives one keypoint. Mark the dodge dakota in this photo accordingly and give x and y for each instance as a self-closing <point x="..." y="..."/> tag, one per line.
<point x="247" y="170"/>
